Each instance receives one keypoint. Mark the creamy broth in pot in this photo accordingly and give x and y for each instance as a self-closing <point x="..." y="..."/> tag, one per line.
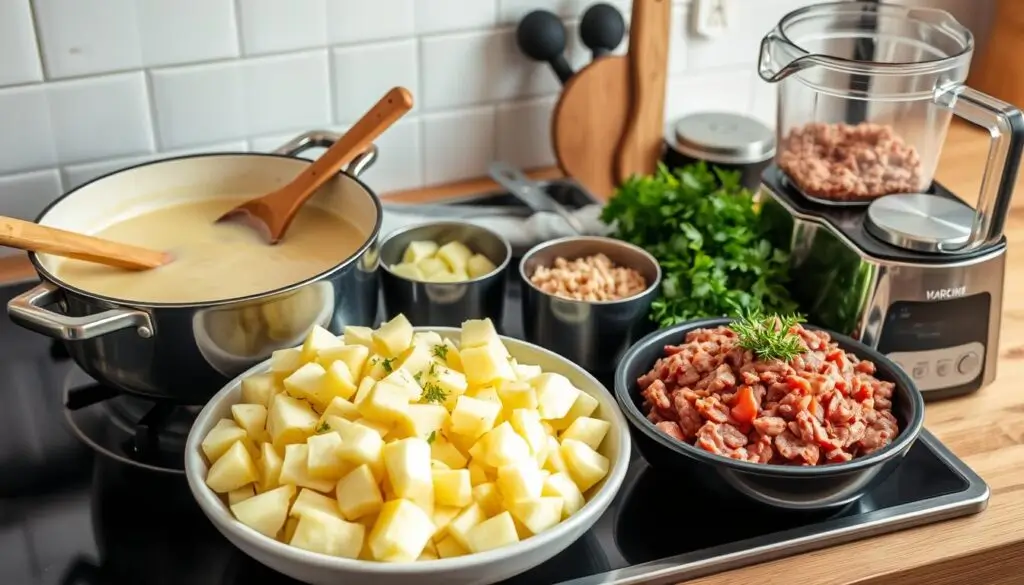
<point x="215" y="261"/>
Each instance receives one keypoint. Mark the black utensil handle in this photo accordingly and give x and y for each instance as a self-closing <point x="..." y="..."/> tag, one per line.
<point x="541" y="37"/>
<point x="602" y="29"/>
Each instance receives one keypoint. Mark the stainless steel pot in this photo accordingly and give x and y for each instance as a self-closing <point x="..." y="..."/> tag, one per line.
<point x="186" y="352"/>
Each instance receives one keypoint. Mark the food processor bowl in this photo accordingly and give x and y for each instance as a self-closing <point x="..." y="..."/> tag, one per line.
<point x="866" y="92"/>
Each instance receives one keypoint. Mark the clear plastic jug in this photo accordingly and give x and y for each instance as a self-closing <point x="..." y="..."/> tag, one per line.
<point x="866" y="93"/>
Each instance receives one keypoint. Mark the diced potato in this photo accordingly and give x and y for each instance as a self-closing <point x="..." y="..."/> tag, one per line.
<point x="451" y="382"/>
<point x="289" y="529"/>
<point x="538" y="514"/>
<point x="515" y="395"/>
<point x="488" y="393"/>
<point x="269" y="466"/>
<point x="354" y="356"/>
<point x="555" y="395"/>
<point x="520" y="481"/>
<point x="586" y="466"/>
<point x="323" y="460"/>
<point x="356" y="335"/>
<point x="310" y="501"/>
<point x="503" y="446"/>
<point x="488" y="496"/>
<point x="590" y="431"/>
<point x="418" y="250"/>
<point x="386" y="403"/>
<point x="252" y="418"/>
<point x="424" y="420"/>
<point x="429" y="553"/>
<point x="329" y="535"/>
<point x="452" y="487"/>
<point x="526" y="422"/>
<point x="472" y="417"/>
<point x="416" y="360"/>
<point x="295" y="470"/>
<point x="407" y="270"/>
<point x="477" y="333"/>
<point x="488" y="364"/>
<point x="553" y="462"/>
<point x="318" y="339"/>
<point x="446" y="276"/>
<point x="401" y="532"/>
<point x="562" y="486"/>
<point x="478" y="473"/>
<point x="382" y="429"/>
<point x="241" y="494"/>
<point x="339" y="381"/>
<point x="460" y="526"/>
<point x="363" y="390"/>
<point x="443" y="515"/>
<point x="285" y="361"/>
<point x="585" y="405"/>
<point x="259" y="389"/>
<point x="393" y="337"/>
<point x="493" y="533"/>
<point x="221" y="437"/>
<point x="403" y="379"/>
<point x="427" y="339"/>
<point x="408" y="467"/>
<point x="525" y="373"/>
<point x="232" y="470"/>
<point x="290" y="420"/>
<point x="266" y="512"/>
<point x="455" y="255"/>
<point x="338" y="407"/>
<point x="449" y="355"/>
<point x="428" y="267"/>
<point x="358" y="494"/>
<point x="442" y="450"/>
<point x="360" y="444"/>
<point x="448" y="547"/>
<point x="479" y="265"/>
<point x="307" y="383"/>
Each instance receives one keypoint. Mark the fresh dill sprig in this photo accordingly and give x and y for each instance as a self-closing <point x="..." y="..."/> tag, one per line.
<point x="418" y="376"/>
<point x="323" y="428"/>
<point x="431" y="437"/>
<point x="433" y="393"/>
<point x="387" y="365"/>
<point x="768" y="336"/>
<point x="441" y="351"/>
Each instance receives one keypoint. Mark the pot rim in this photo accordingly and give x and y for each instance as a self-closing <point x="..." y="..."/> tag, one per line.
<point x="371" y="238"/>
<point x="623" y="389"/>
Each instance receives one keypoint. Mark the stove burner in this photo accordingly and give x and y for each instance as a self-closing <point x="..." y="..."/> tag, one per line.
<point x="136" y="431"/>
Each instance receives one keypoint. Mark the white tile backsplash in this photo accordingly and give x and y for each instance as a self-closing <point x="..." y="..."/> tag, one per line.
<point x="207" y="25"/>
<point x="20" y="59"/>
<point x="91" y="87"/>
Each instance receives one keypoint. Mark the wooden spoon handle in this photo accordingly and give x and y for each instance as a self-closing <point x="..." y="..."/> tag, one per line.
<point x="361" y="135"/>
<point x="33" y="237"/>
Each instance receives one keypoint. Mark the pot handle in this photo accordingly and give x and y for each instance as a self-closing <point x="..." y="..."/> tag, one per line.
<point x="27" y="310"/>
<point x="325" y="139"/>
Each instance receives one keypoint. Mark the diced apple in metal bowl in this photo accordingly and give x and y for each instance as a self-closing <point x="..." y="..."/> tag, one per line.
<point x="450" y="456"/>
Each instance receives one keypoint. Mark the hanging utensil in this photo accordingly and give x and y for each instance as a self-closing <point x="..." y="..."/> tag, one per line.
<point x="271" y="214"/>
<point x="33" y="237"/>
<point x="529" y="193"/>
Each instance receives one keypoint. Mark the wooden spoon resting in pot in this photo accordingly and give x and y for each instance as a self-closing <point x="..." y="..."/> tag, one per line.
<point x="33" y="237"/>
<point x="271" y="214"/>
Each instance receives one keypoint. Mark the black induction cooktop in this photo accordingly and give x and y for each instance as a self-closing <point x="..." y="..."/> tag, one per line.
<point x="71" y="517"/>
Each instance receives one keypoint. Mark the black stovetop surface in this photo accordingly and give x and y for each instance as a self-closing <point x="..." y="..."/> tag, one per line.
<point x="68" y="517"/>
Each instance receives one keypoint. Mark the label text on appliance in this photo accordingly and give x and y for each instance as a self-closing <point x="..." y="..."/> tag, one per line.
<point x="941" y="294"/>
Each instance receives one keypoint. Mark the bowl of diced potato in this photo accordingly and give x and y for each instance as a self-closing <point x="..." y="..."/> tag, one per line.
<point x="448" y="455"/>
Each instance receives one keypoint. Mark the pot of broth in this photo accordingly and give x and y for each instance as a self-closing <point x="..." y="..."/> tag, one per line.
<point x="183" y="330"/>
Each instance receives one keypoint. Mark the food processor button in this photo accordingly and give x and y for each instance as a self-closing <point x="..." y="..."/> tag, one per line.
<point x="968" y="363"/>
<point x="943" y="367"/>
<point x="920" y="370"/>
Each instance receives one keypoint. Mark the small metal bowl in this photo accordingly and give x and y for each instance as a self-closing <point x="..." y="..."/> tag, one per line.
<point x="811" y="489"/>
<point x="593" y="334"/>
<point x="445" y="304"/>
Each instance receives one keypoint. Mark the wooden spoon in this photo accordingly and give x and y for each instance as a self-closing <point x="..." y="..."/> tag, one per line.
<point x="33" y="237"/>
<point x="271" y="214"/>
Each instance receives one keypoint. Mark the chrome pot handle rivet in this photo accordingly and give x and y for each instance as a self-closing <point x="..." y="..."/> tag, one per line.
<point x="28" y="310"/>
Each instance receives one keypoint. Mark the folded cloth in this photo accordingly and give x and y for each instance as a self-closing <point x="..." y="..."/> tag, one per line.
<point x="522" y="231"/>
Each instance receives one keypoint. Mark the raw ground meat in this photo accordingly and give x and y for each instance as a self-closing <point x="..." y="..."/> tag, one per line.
<point x="824" y="406"/>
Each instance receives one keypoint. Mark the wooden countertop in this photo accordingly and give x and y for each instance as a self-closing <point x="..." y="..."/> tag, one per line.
<point x="986" y="430"/>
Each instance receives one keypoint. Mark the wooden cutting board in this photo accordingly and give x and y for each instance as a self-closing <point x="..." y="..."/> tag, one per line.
<point x="641" y="144"/>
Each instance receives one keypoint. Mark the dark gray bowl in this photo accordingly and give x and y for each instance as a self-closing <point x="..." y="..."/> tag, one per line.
<point x="811" y="489"/>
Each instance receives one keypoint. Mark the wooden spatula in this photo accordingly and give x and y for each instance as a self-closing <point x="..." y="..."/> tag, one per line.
<point x="271" y="214"/>
<point x="33" y="237"/>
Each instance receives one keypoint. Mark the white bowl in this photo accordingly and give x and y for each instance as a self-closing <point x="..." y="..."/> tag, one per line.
<point x="474" y="569"/>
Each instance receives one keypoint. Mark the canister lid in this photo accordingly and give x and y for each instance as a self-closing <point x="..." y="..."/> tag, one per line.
<point x="722" y="137"/>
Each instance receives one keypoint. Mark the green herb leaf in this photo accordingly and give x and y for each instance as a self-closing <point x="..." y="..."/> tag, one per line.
<point x="441" y="351"/>
<point x="323" y="428"/>
<point x="768" y="336"/>
<point x="418" y="376"/>
<point x="431" y="437"/>
<point x="433" y="393"/>
<point x="705" y="230"/>
<point x="387" y="365"/>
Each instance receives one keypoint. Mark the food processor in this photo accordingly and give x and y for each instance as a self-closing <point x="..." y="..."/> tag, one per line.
<point x="878" y="250"/>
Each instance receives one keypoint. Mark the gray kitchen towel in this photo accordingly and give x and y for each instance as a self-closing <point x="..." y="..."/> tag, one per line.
<point x="522" y="230"/>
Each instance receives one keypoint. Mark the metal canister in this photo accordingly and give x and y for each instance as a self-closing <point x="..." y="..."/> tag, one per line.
<point x="725" y="140"/>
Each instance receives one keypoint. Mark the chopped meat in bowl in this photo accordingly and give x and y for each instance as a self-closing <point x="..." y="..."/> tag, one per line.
<point x="812" y="428"/>
<point x="823" y="406"/>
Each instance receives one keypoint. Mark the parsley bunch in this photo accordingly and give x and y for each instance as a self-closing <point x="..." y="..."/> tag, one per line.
<point x="704" y="230"/>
